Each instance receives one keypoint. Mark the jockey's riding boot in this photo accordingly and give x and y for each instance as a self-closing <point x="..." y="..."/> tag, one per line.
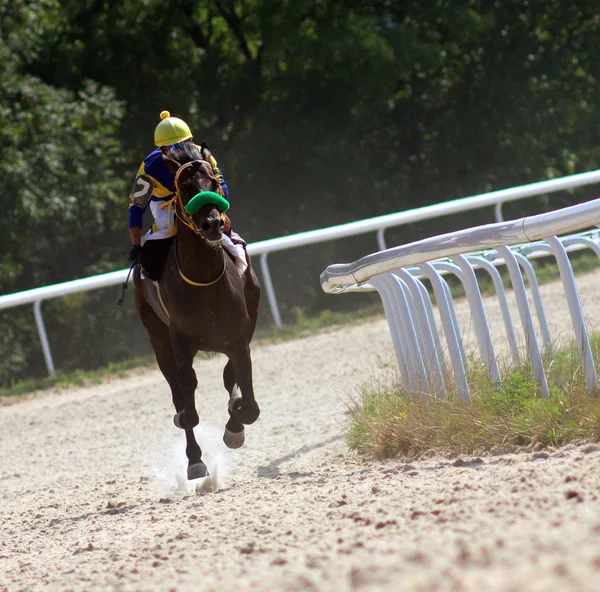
<point x="154" y="256"/>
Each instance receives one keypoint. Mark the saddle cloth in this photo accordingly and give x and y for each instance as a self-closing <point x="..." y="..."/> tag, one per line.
<point x="154" y="299"/>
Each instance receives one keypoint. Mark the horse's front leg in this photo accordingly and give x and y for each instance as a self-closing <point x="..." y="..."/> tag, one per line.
<point x="246" y="410"/>
<point x="187" y="416"/>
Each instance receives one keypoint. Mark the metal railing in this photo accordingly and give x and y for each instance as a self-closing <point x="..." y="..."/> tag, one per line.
<point x="396" y="275"/>
<point x="263" y="248"/>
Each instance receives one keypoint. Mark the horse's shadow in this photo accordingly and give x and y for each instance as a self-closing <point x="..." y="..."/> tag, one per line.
<point x="272" y="470"/>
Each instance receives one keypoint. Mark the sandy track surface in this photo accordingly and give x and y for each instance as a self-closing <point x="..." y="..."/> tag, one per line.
<point x="93" y="493"/>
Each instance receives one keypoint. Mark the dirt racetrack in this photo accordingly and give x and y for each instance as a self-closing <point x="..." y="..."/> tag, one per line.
<point x="93" y="493"/>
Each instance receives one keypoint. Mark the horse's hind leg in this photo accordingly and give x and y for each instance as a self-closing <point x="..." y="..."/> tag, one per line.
<point x="234" y="430"/>
<point x="246" y="411"/>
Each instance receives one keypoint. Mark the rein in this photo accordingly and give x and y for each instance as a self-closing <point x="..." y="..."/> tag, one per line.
<point x="186" y="219"/>
<point x="180" y="212"/>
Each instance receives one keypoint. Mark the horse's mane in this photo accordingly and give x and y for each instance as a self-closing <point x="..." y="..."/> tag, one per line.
<point x="185" y="152"/>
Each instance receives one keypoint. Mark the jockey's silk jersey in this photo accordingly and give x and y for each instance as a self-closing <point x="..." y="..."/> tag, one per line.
<point x="154" y="185"/>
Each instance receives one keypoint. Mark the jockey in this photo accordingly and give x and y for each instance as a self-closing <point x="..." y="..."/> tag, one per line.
<point x="154" y="185"/>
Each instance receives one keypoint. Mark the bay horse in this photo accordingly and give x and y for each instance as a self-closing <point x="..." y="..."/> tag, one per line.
<point x="201" y="304"/>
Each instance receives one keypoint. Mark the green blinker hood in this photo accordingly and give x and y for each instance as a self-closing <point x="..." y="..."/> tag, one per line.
<point x="206" y="197"/>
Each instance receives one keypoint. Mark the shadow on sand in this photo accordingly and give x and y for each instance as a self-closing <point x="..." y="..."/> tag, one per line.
<point x="271" y="470"/>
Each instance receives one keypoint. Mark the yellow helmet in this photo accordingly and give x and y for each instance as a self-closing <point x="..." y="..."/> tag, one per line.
<point x="171" y="130"/>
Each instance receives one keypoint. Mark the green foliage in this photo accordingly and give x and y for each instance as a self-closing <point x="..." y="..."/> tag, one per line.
<point x="59" y="186"/>
<point x="60" y="190"/>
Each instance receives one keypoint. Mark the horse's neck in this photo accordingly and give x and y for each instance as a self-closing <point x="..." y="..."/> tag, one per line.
<point x="197" y="259"/>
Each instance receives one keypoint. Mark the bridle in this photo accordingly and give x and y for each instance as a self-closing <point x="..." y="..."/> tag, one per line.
<point x="180" y="212"/>
<point x="177" y="204"/>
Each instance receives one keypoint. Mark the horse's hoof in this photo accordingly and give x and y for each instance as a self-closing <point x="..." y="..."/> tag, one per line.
<point x="197" y="471"/>
<point x="179" y="419"/>
<point x="234" y="439"/>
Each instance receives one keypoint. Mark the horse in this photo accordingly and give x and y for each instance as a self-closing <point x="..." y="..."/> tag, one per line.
<point x="201" y="303"/>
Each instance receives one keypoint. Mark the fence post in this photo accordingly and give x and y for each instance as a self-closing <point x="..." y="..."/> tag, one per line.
<point x="264" y="267"/>
<point x="433" y="369"/>
<point x="39" y="321"/>
<point x="479" y="317"/>
<point x="572" y="294"/>
<point x="451" y="330"/>
<point x="394" y="323"/>
<point x="537" y="299"/>
<point x="526" y="318"/>
<point x="503" y="302"/>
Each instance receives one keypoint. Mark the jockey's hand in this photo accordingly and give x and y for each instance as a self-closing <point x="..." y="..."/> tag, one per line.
<point x="135" y="255"/>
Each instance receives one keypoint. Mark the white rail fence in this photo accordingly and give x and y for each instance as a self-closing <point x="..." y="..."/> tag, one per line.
<point x="397" y="274"/>
<point x="263" y="248"/>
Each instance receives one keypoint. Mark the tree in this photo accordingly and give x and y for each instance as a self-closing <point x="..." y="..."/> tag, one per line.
<point x="58" y="180"/>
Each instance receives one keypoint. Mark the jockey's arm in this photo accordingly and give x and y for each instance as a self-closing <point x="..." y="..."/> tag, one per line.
<point x="141" y="193"/>
<point x="220" y="178"/>
<point x="136" y="215"/>
<point x="223" y="186"/>
<point x="136" y="236"/>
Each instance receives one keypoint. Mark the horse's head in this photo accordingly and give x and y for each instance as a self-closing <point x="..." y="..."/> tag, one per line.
<point x="194" y="175"/>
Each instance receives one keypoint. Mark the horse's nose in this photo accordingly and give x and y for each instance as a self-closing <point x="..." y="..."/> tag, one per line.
<point x="213" y="224"/>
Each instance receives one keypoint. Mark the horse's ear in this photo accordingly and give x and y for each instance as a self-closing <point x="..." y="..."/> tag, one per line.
<point x="205" y="151"/>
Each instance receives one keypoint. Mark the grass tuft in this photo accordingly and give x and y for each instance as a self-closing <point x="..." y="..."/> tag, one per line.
<point x="394" y="423"/>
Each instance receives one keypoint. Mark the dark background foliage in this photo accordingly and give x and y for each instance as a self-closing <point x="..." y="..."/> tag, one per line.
<point x="319" y="111"/>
